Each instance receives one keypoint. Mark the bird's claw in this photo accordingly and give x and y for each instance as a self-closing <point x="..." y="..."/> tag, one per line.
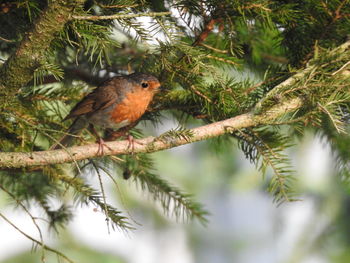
<point x="132" y="142"/>
<point x="101" y="144"/>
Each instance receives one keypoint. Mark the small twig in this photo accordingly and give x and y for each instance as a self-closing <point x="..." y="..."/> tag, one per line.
<point x="6" y="40"/>
<point x="195" y="90"/>
<point x="222" y="59"/>
<point x="334" y="121"/>
<point x="257" y="85"/>
<point x="30" y="215"/>
<point x="119" y="16"/>
<point x="337" y="14"/>
<point x="182" y="14"/>
<point x="117" y="6"/>
<point x="201" y="37"/>
<point x="36" y="241"/>
<point x="343" y="67"/>
<point x="276" y="59"/>
<point x="103" y="194"/>
<point x="207" y="29"/>
<point x="120" y="194"/>
<point x="257" y="6"/>
<point x="329" y="12"/>
<point x="214" y="49"/>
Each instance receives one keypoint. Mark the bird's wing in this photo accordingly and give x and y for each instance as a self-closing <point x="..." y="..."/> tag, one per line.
<point x="101" y="98"/>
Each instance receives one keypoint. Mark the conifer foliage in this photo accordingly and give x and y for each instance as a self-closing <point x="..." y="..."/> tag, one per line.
<point x="260" y="70"/>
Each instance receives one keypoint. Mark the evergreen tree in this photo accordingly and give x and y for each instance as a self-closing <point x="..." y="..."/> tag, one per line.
<point x="257" y="73"/>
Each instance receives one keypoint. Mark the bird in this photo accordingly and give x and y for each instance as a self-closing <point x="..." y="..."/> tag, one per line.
<point x="118" y="103"/>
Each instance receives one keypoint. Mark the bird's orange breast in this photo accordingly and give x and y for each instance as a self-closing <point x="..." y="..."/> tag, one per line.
<point x="132" y="107"/>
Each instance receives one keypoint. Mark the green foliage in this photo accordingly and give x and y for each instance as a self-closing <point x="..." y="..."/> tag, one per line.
<point x="85" y="194"/>
<point x="47" y="69"/>
<point x="178" y="133"/>
<point x="264" y="147"/>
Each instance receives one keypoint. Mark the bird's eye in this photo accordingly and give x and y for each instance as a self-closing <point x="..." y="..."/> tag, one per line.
<point x="144" y="85"/>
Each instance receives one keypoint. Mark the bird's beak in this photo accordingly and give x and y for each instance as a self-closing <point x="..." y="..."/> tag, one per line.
<point x="155" y="86"/>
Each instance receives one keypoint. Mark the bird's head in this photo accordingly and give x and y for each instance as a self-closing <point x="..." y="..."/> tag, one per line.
<point x="145" y="82"/>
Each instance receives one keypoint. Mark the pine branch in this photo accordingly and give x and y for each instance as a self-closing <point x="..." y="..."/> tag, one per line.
<point x="168" y="196"/>
<point x="149" y="144"/>
<point x="265" y="148"/>
<point x="294" y="79"/>
<point x="87" y="195"/>
<point x="172" y="200"/>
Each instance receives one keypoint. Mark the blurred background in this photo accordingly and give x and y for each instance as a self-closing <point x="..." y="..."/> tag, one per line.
<point x="244" y="224"/>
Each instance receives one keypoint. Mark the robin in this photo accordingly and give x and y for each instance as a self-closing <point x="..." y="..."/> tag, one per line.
<point x="118" y="103"/>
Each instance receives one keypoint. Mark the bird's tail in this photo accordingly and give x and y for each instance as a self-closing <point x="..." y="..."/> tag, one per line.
<point x="75" y="129"/>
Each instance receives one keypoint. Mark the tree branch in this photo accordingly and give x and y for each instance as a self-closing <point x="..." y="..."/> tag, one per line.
<point x="19" y="68"/>
<point x="293" y="79"/>
<point x="208" y="27"/>
<point x="149" y="144"/>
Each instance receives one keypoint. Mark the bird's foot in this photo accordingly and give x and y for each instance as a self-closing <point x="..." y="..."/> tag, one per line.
<point x="132" y="142"/>
<point x="101" y="145"/>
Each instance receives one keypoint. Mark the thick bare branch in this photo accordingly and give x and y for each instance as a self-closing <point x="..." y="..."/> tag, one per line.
<point x="149" y="144"/>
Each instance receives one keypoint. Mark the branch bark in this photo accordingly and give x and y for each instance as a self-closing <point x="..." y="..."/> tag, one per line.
<point x="149" y="144"/>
